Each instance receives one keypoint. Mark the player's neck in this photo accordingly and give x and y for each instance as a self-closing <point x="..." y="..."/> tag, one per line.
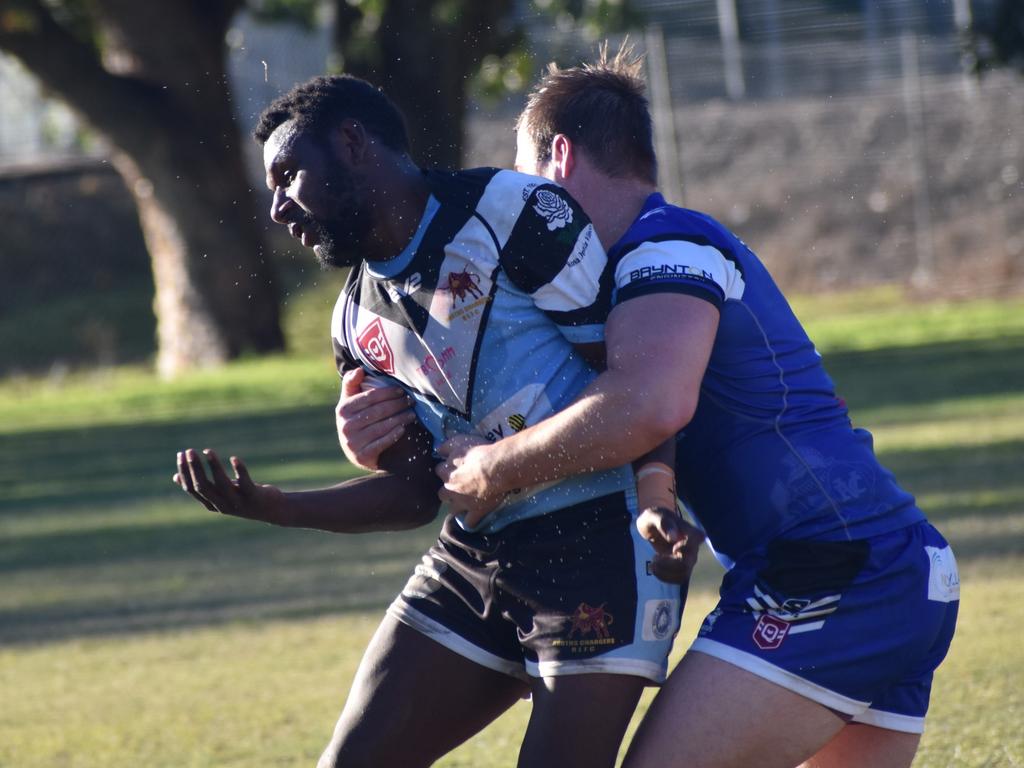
<point x="615" y="207"/>
<point x="400" y="199"/>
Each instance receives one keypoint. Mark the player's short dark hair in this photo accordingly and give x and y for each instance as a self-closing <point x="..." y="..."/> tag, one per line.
<point x="323" y="102"/>
<point x="602" y="108"/>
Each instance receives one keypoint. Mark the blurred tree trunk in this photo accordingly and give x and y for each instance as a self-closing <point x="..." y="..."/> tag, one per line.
<point x="423" y="55"/>
<point x="156" y="87"/>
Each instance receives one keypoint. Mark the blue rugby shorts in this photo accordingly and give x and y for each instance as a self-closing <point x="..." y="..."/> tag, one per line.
<point x="858" y="626"/>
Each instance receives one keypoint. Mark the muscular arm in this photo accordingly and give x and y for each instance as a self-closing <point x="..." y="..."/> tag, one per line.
<point x="402" y="495"/>
<point x="658" y="348"/>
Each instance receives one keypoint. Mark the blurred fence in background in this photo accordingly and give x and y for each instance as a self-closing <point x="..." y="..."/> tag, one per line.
<point x="842" y="138"/>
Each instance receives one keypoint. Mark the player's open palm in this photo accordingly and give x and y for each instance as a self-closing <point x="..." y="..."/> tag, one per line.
<point x="217" y="492"/>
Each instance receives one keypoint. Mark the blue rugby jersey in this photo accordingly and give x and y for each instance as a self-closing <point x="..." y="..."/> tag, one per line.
<point x="770" y="450"/>
<point x="475" y="318"/>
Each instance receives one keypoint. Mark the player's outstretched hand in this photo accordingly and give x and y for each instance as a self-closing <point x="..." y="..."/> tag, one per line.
<point x="217" y="492"/>
<point x="676" y="543"/>
<point x="370" y="418"/>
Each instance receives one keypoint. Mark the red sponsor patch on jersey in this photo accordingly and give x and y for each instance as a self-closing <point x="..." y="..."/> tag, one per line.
<point x="375" y="346"/>
<point x="769" y="632"/>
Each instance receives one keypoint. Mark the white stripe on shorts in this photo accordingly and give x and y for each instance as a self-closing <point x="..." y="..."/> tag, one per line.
<point x="607" y="664"/>
<point x="890" y="721"/>
<point x="439" y="633"/>
<point x="779" y="676"/>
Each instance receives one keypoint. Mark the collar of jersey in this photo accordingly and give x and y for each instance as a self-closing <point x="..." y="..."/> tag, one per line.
<point x="392" y="267"/>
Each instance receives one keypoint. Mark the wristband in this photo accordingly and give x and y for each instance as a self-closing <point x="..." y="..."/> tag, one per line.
<point x="656" y="486"/>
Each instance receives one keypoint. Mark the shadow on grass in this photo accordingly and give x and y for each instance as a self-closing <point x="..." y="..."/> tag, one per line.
<point x="139" y="569"/>
<point x="91" y="467"/>
<point x="993" y="467"/>
<point x="894" y="376"/>
<point x="203" y="573"/>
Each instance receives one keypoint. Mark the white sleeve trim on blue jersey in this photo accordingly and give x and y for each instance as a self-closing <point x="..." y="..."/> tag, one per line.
<point x="651" y="260"/>
<point x="577" y="285"/>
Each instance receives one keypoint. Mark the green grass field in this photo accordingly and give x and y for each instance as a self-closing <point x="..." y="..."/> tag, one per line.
<point x="136" y="628"/>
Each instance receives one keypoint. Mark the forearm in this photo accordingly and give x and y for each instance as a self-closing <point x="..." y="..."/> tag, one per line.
<point x="656" y="477"/>
<point x="609" y="425"/>
<point x="379" y="502"/>
<point x="647" y="394"/>
<point x="402" y="495"/>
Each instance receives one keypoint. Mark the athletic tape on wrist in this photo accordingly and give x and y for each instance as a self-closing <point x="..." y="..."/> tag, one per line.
<point x="656" y="486"/>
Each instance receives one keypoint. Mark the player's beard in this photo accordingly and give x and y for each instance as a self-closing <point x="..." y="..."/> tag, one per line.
<point x="341" y="237"/>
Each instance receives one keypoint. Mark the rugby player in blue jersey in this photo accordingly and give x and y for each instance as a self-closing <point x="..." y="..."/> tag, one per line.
<point x="469" y="290"/>
<point x="840" y="599"/>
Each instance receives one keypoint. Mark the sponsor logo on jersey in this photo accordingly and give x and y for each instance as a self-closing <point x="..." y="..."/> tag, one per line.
<point x="465" y="286"/>
<point x="375" y="346"/>
<point x="769" y="632"/>
<point x="528" y="404"/>
<point x="661" y="271"/>
<point x="433" y="364"/>
<point x="813" y="475"/>
<point x="588" y="629"/>
<point x="581" y="250"/>
<point x="411" y="285"/>
<point x="553" y="208"/>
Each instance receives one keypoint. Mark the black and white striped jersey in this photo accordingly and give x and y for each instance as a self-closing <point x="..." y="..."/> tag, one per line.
<point x="477" y="316"/>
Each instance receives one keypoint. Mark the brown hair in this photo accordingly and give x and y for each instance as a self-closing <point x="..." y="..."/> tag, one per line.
<point x="601" y="108"/>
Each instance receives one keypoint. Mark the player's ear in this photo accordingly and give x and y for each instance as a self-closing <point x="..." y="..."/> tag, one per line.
<point x="350" y="140"/>
<point x="563" y="156"/>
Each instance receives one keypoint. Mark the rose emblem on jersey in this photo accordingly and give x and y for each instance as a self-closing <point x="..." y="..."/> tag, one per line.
<point x="375" y="346"/>
<point x="554" y="208"/>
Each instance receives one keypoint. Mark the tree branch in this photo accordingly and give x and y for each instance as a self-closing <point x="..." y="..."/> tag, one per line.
<point x="68" y="66"/>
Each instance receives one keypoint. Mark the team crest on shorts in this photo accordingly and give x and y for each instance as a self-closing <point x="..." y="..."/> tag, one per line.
<point x="661" y="619"/>
<point x="777" y="619"/>
<point x="588" y="629"/>
<point x="769" y="632"/>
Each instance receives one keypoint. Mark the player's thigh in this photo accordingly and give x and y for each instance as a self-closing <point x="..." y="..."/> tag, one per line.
<point x="414" y="700"/>
<point x="710" y="714"/>
<point x="858" y="744"/>
<point x="579" y="720"/>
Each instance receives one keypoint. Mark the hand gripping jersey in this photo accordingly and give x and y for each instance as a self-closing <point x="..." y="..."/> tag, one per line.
<point x="770" y="451"/>
<point x="462" y="318"/>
